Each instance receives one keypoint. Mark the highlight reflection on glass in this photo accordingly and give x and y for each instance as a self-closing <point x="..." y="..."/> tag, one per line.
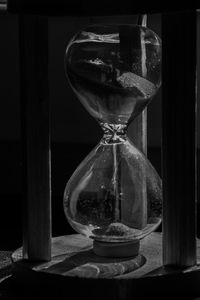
<point x="115" y="194"/>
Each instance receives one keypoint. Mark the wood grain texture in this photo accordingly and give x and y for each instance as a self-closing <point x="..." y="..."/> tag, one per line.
<point x="139" y="128"/>
<point x="5" y="264"/>
<point x="61" y="277"/>
<point x="139" y="134"/>
<point x="179" y="138"/>
<point x="73" y="256"/>
<point x="35" y="111"/>
<point x="77" y="250"/>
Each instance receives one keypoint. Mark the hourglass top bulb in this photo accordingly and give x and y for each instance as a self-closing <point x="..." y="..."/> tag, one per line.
<point x="114" y="70"/>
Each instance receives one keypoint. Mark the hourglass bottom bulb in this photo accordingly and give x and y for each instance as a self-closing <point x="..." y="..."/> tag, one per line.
<point x="114" y="198"/>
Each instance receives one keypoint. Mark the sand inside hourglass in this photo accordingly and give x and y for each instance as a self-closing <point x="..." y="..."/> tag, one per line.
<point x="114" y="195"/>
<point x="109" y="198"/>
<point x="116" y="231"/>
<point x="109" y="89"/>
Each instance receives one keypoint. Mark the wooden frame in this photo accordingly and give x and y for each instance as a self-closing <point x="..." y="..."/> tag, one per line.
<point x="35" y="120"/>
<point x="36" y="136"/>
<point x="179" y="133"/>
<point x="179" y="138"/>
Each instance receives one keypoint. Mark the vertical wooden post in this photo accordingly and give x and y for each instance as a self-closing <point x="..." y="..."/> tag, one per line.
<point x="139" y="136"/>
<point x="139" y="131"/>
<point x="139" y="128"/>
<point x="179" y="138"/>
<point x="33" y="38"/>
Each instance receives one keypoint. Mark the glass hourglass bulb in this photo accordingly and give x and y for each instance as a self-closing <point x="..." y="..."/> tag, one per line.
<point x="115" y="193"/>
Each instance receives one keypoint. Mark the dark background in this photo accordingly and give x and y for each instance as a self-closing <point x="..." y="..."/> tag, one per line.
<point x="74" y="131"/>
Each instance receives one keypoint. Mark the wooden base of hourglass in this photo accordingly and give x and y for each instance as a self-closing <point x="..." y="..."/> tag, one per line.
<point x="74" y="266"/>
<point x="74" y="255"/>
<point x="125" y="249"/>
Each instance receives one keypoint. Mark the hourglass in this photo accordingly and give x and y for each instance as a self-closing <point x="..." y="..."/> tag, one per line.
<point x="115" y="195"/>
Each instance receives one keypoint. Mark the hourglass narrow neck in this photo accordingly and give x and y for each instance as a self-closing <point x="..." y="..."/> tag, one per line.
<point x="113" y="133"/>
